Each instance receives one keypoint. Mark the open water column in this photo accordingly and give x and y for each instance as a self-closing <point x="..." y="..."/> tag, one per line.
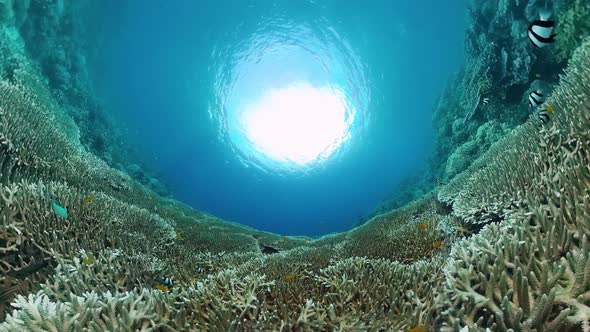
<point x="277" y="114"/>
<point x="301" y="165"/>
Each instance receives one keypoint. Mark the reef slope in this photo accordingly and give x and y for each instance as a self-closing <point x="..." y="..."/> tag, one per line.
<point x="504" y="245"/>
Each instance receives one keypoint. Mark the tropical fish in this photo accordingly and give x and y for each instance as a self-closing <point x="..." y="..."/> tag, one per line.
<point x="422" y="225"/>
<point x="89" y="260"/>
<point x="419" y="328"/>
<point x="544" y="116"/>
<point x="437" y="244"/>
<point x="166" y="281"/>
<point x="59" y="210"/>
<point x="440" y="182"/>
<point x="535" y="98"/>
<point x="199" y="269"/>
<point x="289" y="277"/>
<point x="486" y="101"/>
<point x="549" y="108"/>
<point x="268" y="250"/>
<point x="540" y="32"/>
<point x="178" y="236"/>
<point x="163" y="288"/>
<point x="88" y="199"/>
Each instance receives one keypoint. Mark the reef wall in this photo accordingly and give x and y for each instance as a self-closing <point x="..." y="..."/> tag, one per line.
<point x="54" y="36"/>
<point x="499" y="64"/>
<point x="503" y="245"/>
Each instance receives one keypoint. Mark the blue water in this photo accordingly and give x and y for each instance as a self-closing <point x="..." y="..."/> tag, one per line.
<point x="181" y="75"/>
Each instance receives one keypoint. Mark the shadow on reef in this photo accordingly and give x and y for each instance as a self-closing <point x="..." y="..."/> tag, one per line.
<point x="502" y="245"/>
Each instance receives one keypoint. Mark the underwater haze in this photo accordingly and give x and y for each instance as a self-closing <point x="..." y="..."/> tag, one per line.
<point x="294" y="117"/>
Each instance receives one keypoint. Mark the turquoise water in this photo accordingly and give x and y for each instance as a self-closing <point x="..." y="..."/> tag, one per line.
<point x="296" y="117"/>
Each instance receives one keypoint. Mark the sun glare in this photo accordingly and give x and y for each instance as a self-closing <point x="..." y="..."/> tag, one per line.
<point x="296" y="124"/>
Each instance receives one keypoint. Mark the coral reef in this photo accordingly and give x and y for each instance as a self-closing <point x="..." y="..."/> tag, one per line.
<point x="531" y="271"/>
<point x="574" y="24"/>
<point x="500" y="64"/>
<point x="502" y="245"/>
<point x="51" y="36"/>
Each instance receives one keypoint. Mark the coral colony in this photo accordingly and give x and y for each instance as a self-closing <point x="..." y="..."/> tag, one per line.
<point x="502" y="243"/>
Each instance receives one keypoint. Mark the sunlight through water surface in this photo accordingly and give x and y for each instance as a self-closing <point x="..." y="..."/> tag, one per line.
<point x="297" y="124"/>
<point x="291" y="97"/>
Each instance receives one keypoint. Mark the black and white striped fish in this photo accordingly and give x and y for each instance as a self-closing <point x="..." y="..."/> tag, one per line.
<point x="544" y="116"/>
<point x="199" y="270"/>
<point x="540" y="32"/>
<point x="485" y="101"/>
<point x="535" y="98"/>
<point x="166" y="281"/>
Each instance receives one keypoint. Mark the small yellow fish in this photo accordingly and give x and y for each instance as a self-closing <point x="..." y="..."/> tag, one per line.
<point x="437" y="244"/>
<point x="163" y="288"/>
<point x="89" y="260"/>
<point x="419" y="328"/>
<point x="88" y="199"/>
<point x="549" y="108"/>
<point x="422" y="225"/>
<point x="290" y="277"/>
<point x="178" y="236"/>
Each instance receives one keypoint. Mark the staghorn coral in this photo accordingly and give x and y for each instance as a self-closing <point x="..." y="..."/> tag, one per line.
<point x="524" y="281"/>
<point x="531" y="271"/>
<point x="528" y="270"/>
<point x="358" y="293"/>
<point x="543" y="154"/>
<point x="120" y="312"/>
<point x="396" y="234"/>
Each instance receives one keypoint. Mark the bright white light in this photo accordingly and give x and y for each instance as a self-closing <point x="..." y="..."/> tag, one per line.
<point x="298" y="123"/>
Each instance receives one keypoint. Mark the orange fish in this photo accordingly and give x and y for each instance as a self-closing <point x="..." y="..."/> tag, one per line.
<point x="289" y="277"/>
<point x="419" y="328"/>
<point x="437" y="244"/>
<point x="549" y="108"/>
<point x="422" y="225"/>
<point x="163" y="288"/>
<point x="88" y="199"/>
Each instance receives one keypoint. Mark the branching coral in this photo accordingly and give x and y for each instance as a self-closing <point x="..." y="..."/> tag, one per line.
<point x="397" y="235"/>
<point x="532" y="270"/>
<point x="533" y="157"/>
<point x="526" y="280"/>
<point x="107" y="312"/>
<point x="525" y="205"/>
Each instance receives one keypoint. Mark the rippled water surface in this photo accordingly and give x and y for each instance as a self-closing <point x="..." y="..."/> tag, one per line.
<point x="289" y="95"/>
